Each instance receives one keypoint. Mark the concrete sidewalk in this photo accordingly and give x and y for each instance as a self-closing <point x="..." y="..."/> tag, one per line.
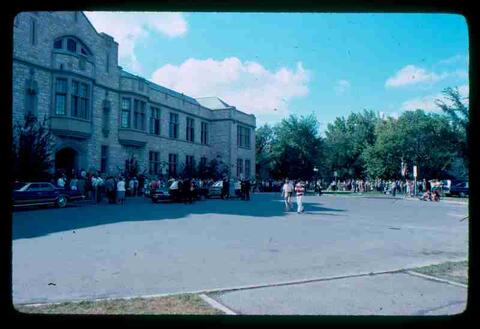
<point x="383" y="294"/>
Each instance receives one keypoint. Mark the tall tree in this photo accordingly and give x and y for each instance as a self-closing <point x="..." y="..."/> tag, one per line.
<point x="346" y="138"/>
<point x="264" y="139"/>
<point x="32" y="149"/>
<point x="417" y="138"/>
<point x="297" y="147"/>
<point x="456" y="109"/>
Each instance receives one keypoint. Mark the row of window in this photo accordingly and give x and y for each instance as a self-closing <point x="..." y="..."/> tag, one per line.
<point x="241" y="170"/>
<point x="80" y="99"/>
<point x="155" y="165"/>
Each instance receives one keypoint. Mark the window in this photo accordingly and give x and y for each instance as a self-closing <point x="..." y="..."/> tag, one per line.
<point x="203" y="162"/>
<point x="75" y="104"/>
<point x="58" y="44"/>
<point x="173" y="126"/>
<point x="189" y="162"/>
<point x="239" y="167"/>
<point x="104" y="158"/>
<point x="126" y="106"/>
<point x="247" y="168"/>
<point x="243" y="136"/>
<point x="71" y="45"/>
<point x="204" y="133"/>
<point x="139" y="114"/>
<point x="190" y="129"/>
<point x="60" y="96"/>
<point x="33" y="32"/>
<point x="154" y="163"/>
<point x="84" y="97"/>
<point x="107" y="63"/>
<point x="172" y="164"/>
<point x="31" y="96"/>
<point x="154" y="120"/>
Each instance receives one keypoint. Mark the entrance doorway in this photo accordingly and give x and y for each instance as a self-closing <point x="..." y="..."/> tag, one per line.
<point x="66" y="160"/>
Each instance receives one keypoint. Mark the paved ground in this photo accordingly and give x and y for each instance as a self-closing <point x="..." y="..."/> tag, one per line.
<point x="384" y="294"/>
<point x="142" y="248"/>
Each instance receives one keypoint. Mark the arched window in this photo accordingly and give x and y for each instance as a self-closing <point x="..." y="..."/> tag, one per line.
<point x="72" y="45"/>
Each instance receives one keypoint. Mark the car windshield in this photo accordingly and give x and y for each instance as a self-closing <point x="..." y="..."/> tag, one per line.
<point x="174" y="185"/>
<point x="18" y="186"/>
<point x="218" y="184"/>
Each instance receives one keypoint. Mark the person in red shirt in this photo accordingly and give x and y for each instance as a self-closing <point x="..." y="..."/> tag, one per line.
<point x="300" y="190"/>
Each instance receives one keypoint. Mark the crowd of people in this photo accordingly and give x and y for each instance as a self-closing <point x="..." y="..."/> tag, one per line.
<point x="115" y="188"/>
<point x="406" y="187"/>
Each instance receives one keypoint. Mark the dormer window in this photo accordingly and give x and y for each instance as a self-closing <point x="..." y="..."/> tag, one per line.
<point x="72" y="45"/>
<point x="58" y="44"/>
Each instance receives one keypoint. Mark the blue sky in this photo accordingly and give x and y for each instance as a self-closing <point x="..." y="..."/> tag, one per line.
<point x="276" y="64"/>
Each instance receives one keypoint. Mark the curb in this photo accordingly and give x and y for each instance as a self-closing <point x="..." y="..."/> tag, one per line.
<point x="217" y="305"/>
<point x="433" y="278"/>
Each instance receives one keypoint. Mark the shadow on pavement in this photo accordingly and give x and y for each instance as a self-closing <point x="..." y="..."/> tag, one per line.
<point x="34" y="222"/>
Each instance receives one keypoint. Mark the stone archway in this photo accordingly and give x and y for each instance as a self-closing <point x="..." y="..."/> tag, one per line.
<point x="66" y="159"/>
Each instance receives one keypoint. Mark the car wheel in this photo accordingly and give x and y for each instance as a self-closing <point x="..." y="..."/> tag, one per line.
<point x="61" y="201"/>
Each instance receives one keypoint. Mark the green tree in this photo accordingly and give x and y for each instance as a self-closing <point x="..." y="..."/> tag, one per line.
<point x="417" y="138"/>
<point x="32" y="149"/>
<point x="296" y="147"/>
<point x="457" y="112"/>
<point x="345" y="140"/>
<point x="264" y="139"/>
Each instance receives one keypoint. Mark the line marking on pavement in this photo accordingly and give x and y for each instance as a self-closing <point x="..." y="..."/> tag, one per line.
<point x="436" y="279"/>
<point x="217" y="305"/>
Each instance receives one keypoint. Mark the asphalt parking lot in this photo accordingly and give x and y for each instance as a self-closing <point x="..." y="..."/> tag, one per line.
<point x="107" y="251"/>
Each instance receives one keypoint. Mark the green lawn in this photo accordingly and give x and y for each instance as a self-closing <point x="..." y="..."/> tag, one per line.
<point x="180" y="304"/>
<point x="453" y="271"/>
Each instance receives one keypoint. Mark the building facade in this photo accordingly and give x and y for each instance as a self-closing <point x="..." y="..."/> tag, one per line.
<point x="100" y="115"/>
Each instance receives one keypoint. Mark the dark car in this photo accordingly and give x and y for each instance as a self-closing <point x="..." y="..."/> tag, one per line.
<point x="42" y="193"/>
<point x="460" y="189"/>
<point x="161" y="193"/>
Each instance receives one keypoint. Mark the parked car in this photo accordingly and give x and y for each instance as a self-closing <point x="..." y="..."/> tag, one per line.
<point x="216" y="189"/>
<point x="160" y="194"/>
<point x="42" y="193"/>
<point x="460" y="189"/>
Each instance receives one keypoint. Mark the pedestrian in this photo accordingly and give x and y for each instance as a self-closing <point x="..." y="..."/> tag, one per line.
<point x="61" y="181"/>
<point x="121" y="190"/>
<point x="135" y="186"/>
<point x="287" y="190"/>
<point x="300" y="190"/>
<point x="248" y="186"/>
<point x="131" y="187"/>
<point x="225" y="189"/>
<point x="74" y="184"/>
<point x="394" y="187"/>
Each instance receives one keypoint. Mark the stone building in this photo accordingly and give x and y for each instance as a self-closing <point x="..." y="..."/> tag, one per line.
<point x="101" y="115"/>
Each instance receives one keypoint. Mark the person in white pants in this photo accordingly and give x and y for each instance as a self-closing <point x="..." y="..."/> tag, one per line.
<point x="300" y="189"/>
<point x="287" y="191"/>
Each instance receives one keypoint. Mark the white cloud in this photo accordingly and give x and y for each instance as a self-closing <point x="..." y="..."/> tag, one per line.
<point x="247" y="85"/>
<point x="127" y="28"/>
<point x="411" y="74"/>
<point x="341" y="87"/>
<point x="428" y="103"/>
<point x="454" y="60"/>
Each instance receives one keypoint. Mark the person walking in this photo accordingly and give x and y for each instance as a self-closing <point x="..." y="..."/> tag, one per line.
<point x="300" y="190"/>
<point x="121" y="190"/>
<point x="248" y="186"/>
<point x="287" y="190"/>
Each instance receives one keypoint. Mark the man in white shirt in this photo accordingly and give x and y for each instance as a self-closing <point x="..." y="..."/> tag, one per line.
<point x="287" y="190"/>
<point x="61" y="181"/>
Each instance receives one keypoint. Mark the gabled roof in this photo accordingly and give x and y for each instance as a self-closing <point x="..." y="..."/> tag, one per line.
<point x="213" y="103"/>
